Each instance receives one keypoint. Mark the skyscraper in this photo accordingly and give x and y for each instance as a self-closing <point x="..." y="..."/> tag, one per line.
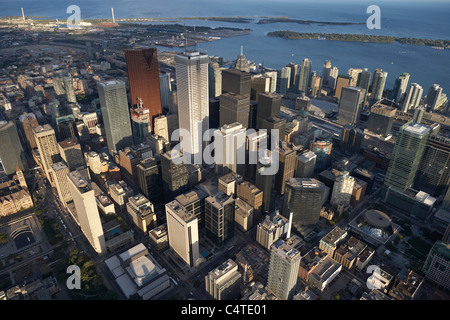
<point x="303" y="197"/>
<point x="364" y="80"/>
<point x="143" y="78"/>
<point x="322" y="149"/>
<point x="378" y="83"/>
<point x="287" y="165"/>
<point x="412" y="97"/>
<point x="60" y="172"/>
<point x="48" y="148"/>
<point x="219" y="218"/>
<point x="140" y="123"/>
<point x="175" y="176"/>
<point x="264" y="182"/>
<point x="165" y="87"/>
<point x="306" y="162"/>
<point x="236" y="81"/>
<point x="433" y="172"/>
<point x="269" y="105"/>
<point x="234" y="108"/>
<point x="11" y="152"/>
<point x="408" y="151"/>
<point x="283" y="270"/>
<point x="334" y="73"/>
<point x="223" y="282"/>
<point x="354" y="75"/>
<point x="342" y="81"/>
<point x="381" y="119"/>
<point x="231" y="155"/>
<point x="304" y="77"/>
<point x="342" y="189"/>
<point x="28" y="121"/>
<point x="70" y="151"/>
<point x="351" y="104"/>
<point x="400" y="86"/>
<point x="326" y="73"/>
<point x="351" y="140"/>
<point x="214" y="79"/>
<point x="294" y="75"/>
<point x="285" y="79"/>
<point x="193" y="97"/>
<point x="115" y="113"/>
<point x="182" y="227"/>
<point x="70" y="92"/>
<point x="434" y="97"/>
<point x="241" y="62"/>
<point x="150" y="181"/>
<point x="87" y="214"/>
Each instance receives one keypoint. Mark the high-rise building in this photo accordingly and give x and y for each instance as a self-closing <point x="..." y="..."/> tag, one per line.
<point x="182" y="227"/>
<point x="264" y="182"/>
<point x="271" y="229"/>
<point x="342" y="81"/>
<point x="378" y="83"/>
<point x="364" y="80"/>
<point x="214" y="80"/>
<point x="143" y="79"/>
<point x="140" y="123"/>
<point x="116" y="117"/>
<point x="150" y="181"/>
<point x="303" y="197"/>
<point x="433" y="99"/>
<point x="161" y="127"/>
<point x="142" y="212"/>
<point x="351" y="104"/>
<point x="274" y="125"/>
<point x="334" y="73"/>
<point x="86" y="211"/>
<point x="322" y="149"/>
<point x="306" y="162"/>
<point x="342" y="189"/>
<point x="194" y="202"/>
<point x="120" y="192"/>
<point x="193" y="97"/>
<point x="11" y="152"/>
<point x="175" y="176"/>
<point x="165" y="87"/>
<point x="400" y="86"/>
<point x="269" y="105"/>
<point x="285" y="79"/>
<point x="65" y="127"/>
<point x="230" y="149"/>
<point x="407" y="155"/>
<point x="219" y="218"/>
<point x="59" y="172"/>
<point x="28" y="121"/>
<point x="252" y="195"/>
<point x="236" y="81"/>
<point x="223" y="283"/>
<point x="412" y="97"/>
<point x="381" y="119"/>
<point x="437" y="266"/>
<point x="304" y="76"/>
<point x="70" y="92"/>
<point x="273" y="80"/>
<point x="283" y="270"/>
<point x="234" y="108"/>
<point x="70" y="151"/>
<point x="287" y="164"/>
<point x="351" y="140"/>
<point x="433" y="172"/>
<point x="259" y="84"/>
<point x="48" y="148"/>
<point x="316" y="85"/>
<point x="354" y="75"/>
<point x="326" y="73"/>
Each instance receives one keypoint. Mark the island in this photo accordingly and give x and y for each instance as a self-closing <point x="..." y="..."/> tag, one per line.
<point x="292" y="35"/>
<point x="299" y="21"/>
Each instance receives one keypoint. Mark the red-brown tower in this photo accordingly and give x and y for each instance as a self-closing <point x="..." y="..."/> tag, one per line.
<point x="143" y="78"/>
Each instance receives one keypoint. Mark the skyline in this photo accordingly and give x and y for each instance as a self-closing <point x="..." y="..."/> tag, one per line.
<point x="349" y="199"/>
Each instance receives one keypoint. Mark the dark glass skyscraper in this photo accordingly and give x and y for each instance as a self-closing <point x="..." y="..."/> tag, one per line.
<point x="143" y="77"/>
<point x="11" y="152"/>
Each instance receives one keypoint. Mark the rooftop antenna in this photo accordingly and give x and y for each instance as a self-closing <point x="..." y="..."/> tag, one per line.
<point x="23" y="15"/>
<point x="112" y="12"/>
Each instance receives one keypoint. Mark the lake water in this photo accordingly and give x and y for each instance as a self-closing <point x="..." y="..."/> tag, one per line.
<point x="418" y="19"/>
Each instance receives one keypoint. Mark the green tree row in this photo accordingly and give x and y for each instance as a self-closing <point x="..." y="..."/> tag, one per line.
<point x="358" y="38"/>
